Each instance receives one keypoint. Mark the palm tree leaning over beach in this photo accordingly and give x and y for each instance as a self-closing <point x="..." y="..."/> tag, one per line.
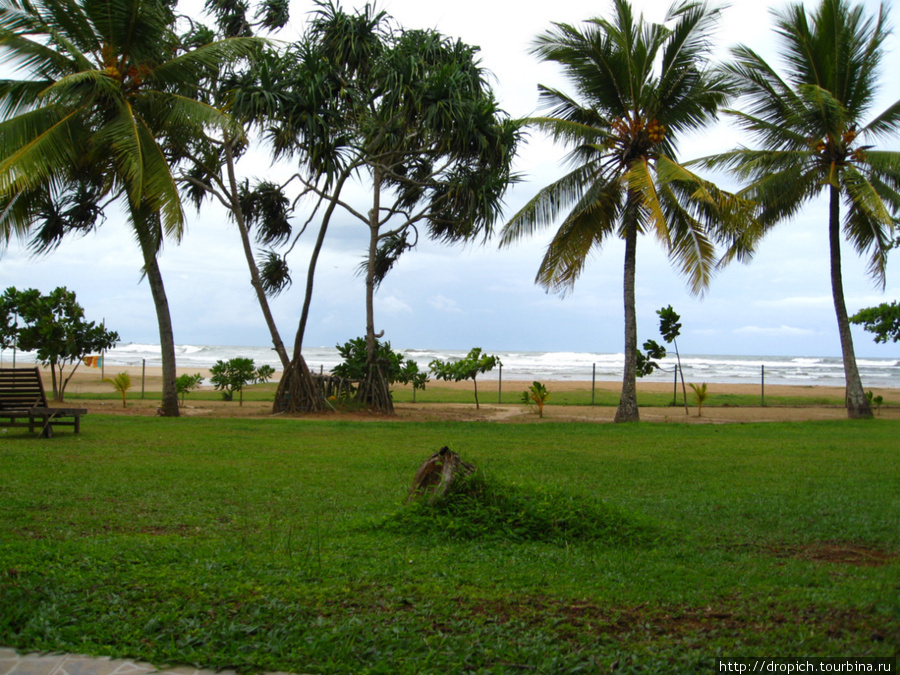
<point x="639" y="86"/>
<point x="94" y="121"/>
<point x="810" y="128"/>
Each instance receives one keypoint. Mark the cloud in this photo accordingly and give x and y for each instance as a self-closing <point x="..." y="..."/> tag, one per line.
<point x="444" y="304"/>
<point x="797" y="302"/>
<point x="392" y="305"/>
<point x="781" y="331"/>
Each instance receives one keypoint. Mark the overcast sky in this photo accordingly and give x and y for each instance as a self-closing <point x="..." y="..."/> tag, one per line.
<point x="456" y="298"/>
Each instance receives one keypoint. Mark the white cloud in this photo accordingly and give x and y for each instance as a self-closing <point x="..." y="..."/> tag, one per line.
<point x="814" y="302"/>
<point x="784" y="331"/>
<point x="444" y="304"/>
<point x="391" y="305"/>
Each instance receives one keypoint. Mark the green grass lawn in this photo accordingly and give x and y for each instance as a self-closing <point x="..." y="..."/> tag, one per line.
<point x="273" y="544"/>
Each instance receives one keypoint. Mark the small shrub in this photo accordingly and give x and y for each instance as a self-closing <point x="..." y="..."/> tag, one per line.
<point x="874" y="401"/>
<point x="185" y="384"/>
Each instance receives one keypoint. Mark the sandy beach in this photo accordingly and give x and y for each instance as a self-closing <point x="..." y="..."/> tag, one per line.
<point x="89" y="380"/>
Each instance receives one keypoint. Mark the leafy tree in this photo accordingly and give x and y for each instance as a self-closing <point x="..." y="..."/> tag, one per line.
<point x="815" y="135"/>
<point x="121" y="383"/>
<point x="639" y="85"/>
<point x="187" y="383"/>
<point x="670" y="329"/>
<point x="466" y="368"/>
<point x="412" y="111"/>
<point x="883" y="321"/>
<point x="53" y="327"/>
<point x="235" y="374"/>
<point x="96" y="120"/>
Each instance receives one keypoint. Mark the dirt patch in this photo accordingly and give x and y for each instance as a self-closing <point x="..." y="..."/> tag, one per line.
<point x="838" y="552"/>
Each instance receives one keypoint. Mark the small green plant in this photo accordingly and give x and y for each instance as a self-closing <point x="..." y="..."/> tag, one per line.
<point x="121" y="383"/>
<point x="185" y="384"/>
<point x="874" y="401"/>
<point x="537" y="394"/>
<point x="700" y="394"/>
<point x="467" y="368"/>
<point x="264" y="373"/>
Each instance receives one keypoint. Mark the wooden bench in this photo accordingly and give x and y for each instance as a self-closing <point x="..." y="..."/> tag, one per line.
<point x="22" y="398"/>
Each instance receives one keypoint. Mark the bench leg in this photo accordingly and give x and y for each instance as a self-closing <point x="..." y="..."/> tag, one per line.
<point x="47" y="431"/>
<point x="77" y="423"/>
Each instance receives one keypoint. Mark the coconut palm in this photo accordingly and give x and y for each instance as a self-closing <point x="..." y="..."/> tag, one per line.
<point x="815" y="136"/>
<point x="639" y="86"/>
<point x="98" y="110"/>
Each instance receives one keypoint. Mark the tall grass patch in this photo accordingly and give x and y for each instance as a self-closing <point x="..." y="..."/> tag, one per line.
<point x="483" y="507"/>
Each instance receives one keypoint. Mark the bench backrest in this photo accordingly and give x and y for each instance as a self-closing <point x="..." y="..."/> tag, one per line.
<point x="21" y="388"/>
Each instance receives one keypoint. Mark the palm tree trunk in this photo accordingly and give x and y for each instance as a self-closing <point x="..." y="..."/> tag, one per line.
<point x="169" y="405"/>
<point x="857" y="403"/>
<point x="628" y="409"/>
<point x="251" y="263"/>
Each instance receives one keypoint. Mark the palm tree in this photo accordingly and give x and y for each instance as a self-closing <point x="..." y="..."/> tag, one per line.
<point x="813" y="138"/>
<point x="639" y="85"/>
<point x="101" y="106"/>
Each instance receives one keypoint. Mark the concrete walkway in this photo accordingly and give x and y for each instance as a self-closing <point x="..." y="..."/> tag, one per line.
<point x="12" y="663"/>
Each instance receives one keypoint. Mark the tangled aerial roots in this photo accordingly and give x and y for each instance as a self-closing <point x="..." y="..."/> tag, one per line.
<point x="297" y="392"/>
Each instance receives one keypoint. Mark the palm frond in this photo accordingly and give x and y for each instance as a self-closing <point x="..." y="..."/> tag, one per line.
<point x="640" y="180"/>
<point x="868" y="225"/>
<point x="191" y="65"/>
<point x="591" y="222"/>
<point x="159" y="187"/>
<point x="545" y="207"/>
<point x="886" y="123"/>
<point x="36" y="145"/>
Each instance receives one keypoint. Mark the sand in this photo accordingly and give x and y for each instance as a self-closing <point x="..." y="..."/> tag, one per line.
<point x="89" y="380"/>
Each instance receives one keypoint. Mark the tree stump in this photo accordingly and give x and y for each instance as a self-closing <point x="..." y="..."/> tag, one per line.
<point x="437" y="473"/>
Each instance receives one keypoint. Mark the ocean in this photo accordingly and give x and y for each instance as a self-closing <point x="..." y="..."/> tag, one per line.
<point x="529" y="366"/>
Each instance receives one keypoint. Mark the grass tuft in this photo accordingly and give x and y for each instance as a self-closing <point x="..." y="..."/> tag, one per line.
<point x="483" y="507"/>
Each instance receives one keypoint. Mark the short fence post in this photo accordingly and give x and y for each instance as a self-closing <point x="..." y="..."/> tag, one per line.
<point x="143" y="376"/>
<point x="593" y="382"/>
<point x="762" y="371"/>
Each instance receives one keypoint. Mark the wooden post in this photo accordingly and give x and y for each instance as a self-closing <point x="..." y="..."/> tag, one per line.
<point x="593" y="382"/>
<point x="143" y="376"/>
<point x="500" y="386"/>
<point x="762" y="371"/>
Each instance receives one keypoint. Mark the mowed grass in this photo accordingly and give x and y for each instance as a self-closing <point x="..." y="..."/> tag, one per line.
<point x="272" y="544"/>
